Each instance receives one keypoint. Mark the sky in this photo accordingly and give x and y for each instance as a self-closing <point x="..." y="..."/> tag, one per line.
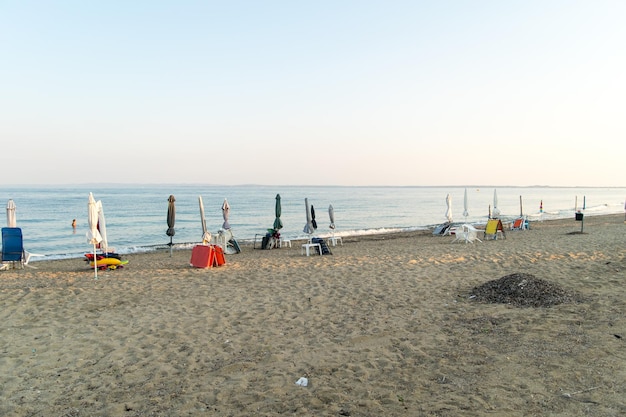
<point x="342" y="92"/>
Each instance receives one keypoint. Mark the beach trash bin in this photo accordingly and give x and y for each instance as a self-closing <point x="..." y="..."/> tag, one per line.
<point x="579" y="217"/>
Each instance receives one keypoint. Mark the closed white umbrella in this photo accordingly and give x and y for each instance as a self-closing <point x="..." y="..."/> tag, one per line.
<point x="449" y="208"/>
<point x="465" y="213"/>
<point x="225" y="215"/>
<point x="331" y="215"/>
<point x="206" y="236"/>
<point x="11" y="221"/>
<point x="496" y="210"/>
<point x="102" y="228"/>
<point x="93" y="235"/>
<point x="230" y="244"/>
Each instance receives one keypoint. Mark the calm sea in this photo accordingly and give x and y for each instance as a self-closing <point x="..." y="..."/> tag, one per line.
<point x="136" y="215"/>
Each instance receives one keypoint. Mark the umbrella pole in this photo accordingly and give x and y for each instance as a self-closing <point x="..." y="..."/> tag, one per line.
<point x="170" y="246"/>
<point x="95" y="263"/>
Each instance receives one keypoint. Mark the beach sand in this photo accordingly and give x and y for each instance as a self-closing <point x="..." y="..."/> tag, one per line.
<point x="386" y="326"/>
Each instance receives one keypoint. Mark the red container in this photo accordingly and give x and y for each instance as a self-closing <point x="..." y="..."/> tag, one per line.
<point x="203" y="256"/>
<point x="220" y="259"/>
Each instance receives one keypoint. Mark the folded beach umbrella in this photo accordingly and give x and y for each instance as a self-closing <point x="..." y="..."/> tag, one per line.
<point x="225" y="214"/>
<point x="521" y="211"/>
<point x="206" y="236"/>
<point x="331" y="216"/>
<point x="465" y="213"/>
<point x="171" y="219"/>
<point x="278" y="223"/>
<point x="313" y="222"/>
<point x="496" y="210"/>
<point x="102" y="228"/>
<point x="308" y="227"/>
<point x="449" y="208"/>
<point x="93" y="235"/>
<point x="11" y="220"/>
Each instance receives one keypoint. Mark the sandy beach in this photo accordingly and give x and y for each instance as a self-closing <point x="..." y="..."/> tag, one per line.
<point x="385" y="326"/>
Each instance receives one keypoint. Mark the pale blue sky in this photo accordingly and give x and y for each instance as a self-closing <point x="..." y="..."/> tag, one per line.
<point x="328" y="92"/>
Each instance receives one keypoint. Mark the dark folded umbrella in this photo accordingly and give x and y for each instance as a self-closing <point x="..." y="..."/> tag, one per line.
<point x="313" y="222"/>
<point x="171" y="219"/>
<point x="278" y="224"/>
<point x="171" y="216"/>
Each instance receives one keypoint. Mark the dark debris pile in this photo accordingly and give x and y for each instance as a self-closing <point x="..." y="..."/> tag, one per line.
<point x="522" y="290"/>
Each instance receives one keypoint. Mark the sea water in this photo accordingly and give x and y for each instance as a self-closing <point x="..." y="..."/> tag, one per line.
<point x="136" y="214"/>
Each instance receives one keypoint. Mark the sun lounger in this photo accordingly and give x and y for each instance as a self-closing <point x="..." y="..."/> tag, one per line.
<point x="521" y="223"/>
<point x="494" y="229"/>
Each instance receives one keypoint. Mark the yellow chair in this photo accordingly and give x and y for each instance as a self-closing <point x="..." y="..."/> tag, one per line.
<point x="493" y="229"/>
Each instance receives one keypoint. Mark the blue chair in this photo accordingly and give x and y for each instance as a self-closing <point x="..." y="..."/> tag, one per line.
<point x="13" y="246"/>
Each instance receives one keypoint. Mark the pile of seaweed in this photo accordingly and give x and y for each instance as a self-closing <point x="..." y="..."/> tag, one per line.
<point x="523" y="290"/>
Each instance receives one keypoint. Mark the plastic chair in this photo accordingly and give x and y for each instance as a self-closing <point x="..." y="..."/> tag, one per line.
<point x="521" y="223"/>
<point x="13" y="246"/>
<point x="493" y="229"/>
<point x="466" y="233"/>
<point x="333" y="240"/>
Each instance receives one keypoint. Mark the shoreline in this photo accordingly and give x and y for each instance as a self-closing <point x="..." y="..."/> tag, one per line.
<point x="384" y="326"/>
<point x="162" y="251"/>
<point x="245" y="242"/>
